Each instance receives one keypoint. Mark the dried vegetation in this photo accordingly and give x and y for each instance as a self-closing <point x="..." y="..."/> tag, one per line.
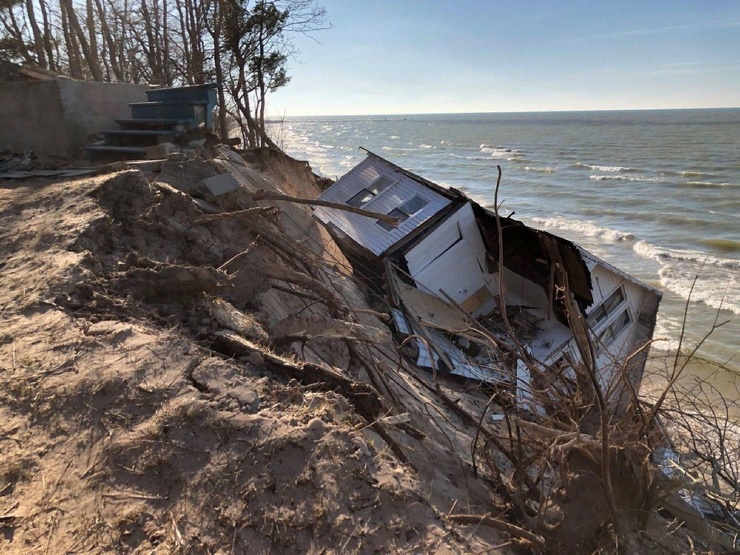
<point x="189" y="373"/>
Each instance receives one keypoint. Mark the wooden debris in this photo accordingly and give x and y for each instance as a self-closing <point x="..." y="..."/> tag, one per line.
<point x="485" y="520"/>
<point x="300" y="327"/>
<point x="261" y="194"/>
<point x="362" y="396"/>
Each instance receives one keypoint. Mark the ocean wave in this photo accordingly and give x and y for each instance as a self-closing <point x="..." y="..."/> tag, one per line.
<point x="649" y="250"/>
<point x="688" y="173"/>
<point x="536" y="169"/>
<point x="426" y="146"/>
<point x="585" y="228"/>
<point x="623" y="178"/>
<point x="607" y="169"/>
<point x="718" y="290"/>
<point x="665" y="334"/>
<point x="714" y="279"/>
<point x="708" y="184"/>
<point x="472" y="158"/>
<point x="500" y="151"/>
<point x="724" y="245"/>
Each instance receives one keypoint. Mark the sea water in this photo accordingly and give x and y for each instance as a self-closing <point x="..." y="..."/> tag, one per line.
<point x="655" y="193"/>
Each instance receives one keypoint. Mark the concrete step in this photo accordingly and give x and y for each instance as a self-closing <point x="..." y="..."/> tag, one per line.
<point x="138" y="137"/>
<point x="114" y="153"/>
<point x="153" y="124"/>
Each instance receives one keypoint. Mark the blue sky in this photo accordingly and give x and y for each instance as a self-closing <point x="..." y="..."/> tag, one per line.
<point x="427" y="56"/>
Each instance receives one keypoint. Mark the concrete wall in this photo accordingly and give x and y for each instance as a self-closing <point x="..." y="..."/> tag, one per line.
<point x="55" y="118"/>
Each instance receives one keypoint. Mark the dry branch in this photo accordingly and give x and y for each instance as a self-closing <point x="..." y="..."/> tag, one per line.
<point x="261" y="194"/>
<point x="254" y="211"/>
<point x="361" y="395"/>
<point x="300" y="327"/>
<point x="510" y="529"/>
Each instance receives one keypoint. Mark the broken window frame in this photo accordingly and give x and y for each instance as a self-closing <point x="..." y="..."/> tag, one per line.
<point x="403" y="212"/>
<point x="366" y="194"/>
<point x="609" y="334"/>
<point x="607" y="309"/>
<point x="612" y="317"/>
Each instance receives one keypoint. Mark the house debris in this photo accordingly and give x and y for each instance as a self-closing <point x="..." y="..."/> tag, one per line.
<point x="485" y="297"/>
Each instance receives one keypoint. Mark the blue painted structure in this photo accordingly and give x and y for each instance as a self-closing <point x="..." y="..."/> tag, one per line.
<point x="166" y="113"/>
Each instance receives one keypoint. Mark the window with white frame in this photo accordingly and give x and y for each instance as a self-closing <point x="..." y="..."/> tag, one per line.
<point x="613" y="329"/>
<point x="606" y="309"/>
<point x="371" y="191"/>
<point x="610" y="318"/>
<point x="403" y="212"/>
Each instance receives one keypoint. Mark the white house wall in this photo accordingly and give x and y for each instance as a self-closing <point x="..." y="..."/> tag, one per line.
<point x="605" y="282"/>
<point x="458" y="268"/>
<point x="366" y="231"/>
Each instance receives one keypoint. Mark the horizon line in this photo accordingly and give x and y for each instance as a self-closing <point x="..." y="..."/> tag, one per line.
<point x="396" y="114"/>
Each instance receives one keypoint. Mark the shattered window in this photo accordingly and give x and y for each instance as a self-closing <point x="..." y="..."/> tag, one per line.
<point x="606" y="309"/>
<point x="363" y="197"/>
<point x="371" y="191"/>
<point x="615" y="328"/>
<point x="403" y="212"/>
<point x="380" y="184"/>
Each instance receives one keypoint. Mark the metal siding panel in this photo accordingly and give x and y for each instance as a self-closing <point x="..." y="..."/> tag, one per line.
<point x="365" y="231"/>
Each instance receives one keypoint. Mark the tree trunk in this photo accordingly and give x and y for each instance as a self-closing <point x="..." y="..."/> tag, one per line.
<point x="93" y="39"/>
<point x="166" y="41"/>
<point x="38" y="43"/>
<point x="216" y="36"/>
<point x="47" y="36"/>
<point x="260" y="107"/>
<point x="73" y="58"/>
<point x="108" y="40"/>
<point x="89" y="58"/>
<point x="15" y="32"/>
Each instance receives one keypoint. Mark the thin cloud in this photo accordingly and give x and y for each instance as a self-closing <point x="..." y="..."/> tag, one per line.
<point x="693" y="67"/>
<point x="707" y="25"/>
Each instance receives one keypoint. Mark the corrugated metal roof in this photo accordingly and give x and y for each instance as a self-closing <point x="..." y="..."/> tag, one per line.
<point x="366" y="231"/>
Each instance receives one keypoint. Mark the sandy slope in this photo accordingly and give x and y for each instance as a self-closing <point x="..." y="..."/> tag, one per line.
<point x="121" y="430"/>
<point x="183" y="373"/>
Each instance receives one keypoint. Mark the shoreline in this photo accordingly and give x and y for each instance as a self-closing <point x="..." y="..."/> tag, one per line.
<point x="704" y="380"/>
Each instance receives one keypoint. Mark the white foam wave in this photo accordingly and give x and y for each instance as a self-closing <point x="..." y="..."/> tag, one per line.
<point x="718" y="290"/>
<point x="536" y="169"/>
<point x="475" y="158"/>
<point x="623" y="178"/>
<point x="666" y="334"/>
<point x="665" y="254"/>
<point x="500" y="151"/>
<point x="718" y="281"/>
<point x="426" y="146"/>
<point x="695" y="174"/>
<point x="585" y="228"/>
<point x="707" y="184"/>
<point x="607" y="169"/>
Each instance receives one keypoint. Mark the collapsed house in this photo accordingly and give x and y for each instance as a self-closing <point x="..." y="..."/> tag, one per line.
<point x="487" y="297"/>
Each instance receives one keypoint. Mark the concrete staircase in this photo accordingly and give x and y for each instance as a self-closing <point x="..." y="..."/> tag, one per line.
<point x="165" y="114"/>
